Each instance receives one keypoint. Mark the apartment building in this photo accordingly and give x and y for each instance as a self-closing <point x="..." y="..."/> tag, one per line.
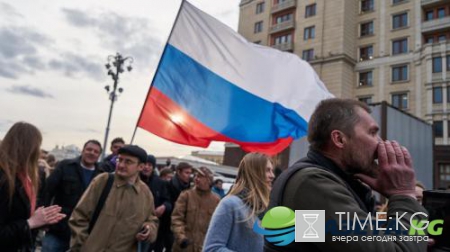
<point x="372" y="50"/>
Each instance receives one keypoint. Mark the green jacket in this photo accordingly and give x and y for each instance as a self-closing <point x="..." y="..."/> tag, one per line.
<point x="319" y="189"/>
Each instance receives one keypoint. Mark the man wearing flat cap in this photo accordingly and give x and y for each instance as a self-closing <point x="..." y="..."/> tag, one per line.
<point x="128" y="215"/>
<point x="192" y="213"/>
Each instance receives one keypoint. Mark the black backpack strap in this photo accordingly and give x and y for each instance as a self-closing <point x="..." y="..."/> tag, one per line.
<point x="276" y="195"/>
<point x="101" y="201"/>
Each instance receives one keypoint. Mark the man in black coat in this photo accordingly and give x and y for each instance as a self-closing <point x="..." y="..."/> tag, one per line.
<point x="64" y="187"/>
<point x="109" y="163"/>
<point x="180" y="182"/>
<point x="163" y="206"/>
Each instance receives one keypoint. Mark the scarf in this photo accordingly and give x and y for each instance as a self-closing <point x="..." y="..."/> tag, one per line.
<point x="29" y="190"/>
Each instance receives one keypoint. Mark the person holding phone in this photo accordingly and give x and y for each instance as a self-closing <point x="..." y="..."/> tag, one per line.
<point x="346" y="161"/>
<point x="128" y="215"/>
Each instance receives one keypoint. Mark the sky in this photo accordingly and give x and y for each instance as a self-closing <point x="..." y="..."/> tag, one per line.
<point x="52" y="73"/>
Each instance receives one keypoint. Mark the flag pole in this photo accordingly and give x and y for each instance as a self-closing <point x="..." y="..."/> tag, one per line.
<point x="157" y="68"/>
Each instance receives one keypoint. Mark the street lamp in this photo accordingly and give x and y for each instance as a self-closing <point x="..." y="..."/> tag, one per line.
<point x="118" y="64"/>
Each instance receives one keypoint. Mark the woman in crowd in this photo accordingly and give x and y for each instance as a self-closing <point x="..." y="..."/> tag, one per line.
<point x="19" y="154"/>
<point x="231" y="225"/>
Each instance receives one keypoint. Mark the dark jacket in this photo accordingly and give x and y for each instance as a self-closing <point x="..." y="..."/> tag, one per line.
<point x="175" y="188"/>
<point x="41" y="192"/>
<point x="159" y="189"/>
<point x="107" y="165"/>
<point x="15" y="234"/>
<point x="322" y="185"/>
<point x="64" y="187"/>
<point x="218" y="191"/>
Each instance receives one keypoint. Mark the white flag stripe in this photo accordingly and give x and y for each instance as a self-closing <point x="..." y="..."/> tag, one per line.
<point x="266" y="72"/>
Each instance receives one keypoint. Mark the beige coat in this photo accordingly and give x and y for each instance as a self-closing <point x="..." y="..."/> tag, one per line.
<point x="191" y="216"/>
<point x="126" y="210"/>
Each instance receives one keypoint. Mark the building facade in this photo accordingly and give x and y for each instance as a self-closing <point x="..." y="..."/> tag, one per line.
<point x="372" y="50"/>
<point x="65" y="152"/>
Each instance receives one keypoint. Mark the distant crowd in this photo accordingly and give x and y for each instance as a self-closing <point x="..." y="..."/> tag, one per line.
<point x="126" y="202"/>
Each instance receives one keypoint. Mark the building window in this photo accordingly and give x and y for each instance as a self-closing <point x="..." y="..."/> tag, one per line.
<point x="283" y="18"/>
<point x="400" y="100"/>
<point x="438" y="128"/>
<point x="366" y="29"/>
<point x="310" y="10"/>
<point x="283" y="39"/>
<point x="400" y="73"/>
<point x="429" y="40"/>
<point x="400" y="46"/>
<point x="366" y="53"/>
<point x="448" y="98"/>
<point x="310" y="33"/>
<point x="258" y="27"/>
<point x="441" y="13"/>
<point x="429" y="15"/>
<point x="397" y="1"/>
<point x="365" y="79"/>
<point x="308" y="55"/>
<point x="444" y="172"/>
<point x="260" y="8"/>
<point x="442" y="38"/>
<point x="448" y="64"/>
<point x="366" y="100"/>
<point x="437" y="95"/>
<point x="400" y="20"/>
<point x="437" y="65"/>
<point x="366" y="5"/>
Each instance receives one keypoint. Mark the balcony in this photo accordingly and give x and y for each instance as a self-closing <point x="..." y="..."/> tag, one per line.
<point x="244" y="2"/>
<point x="439" y="47"/>
<point x="436" y="24"/>
<point x="289" y="46"/>
<point x="436" y="76"/>
<point x="282" y="26"/>
<point x="433" y="3"/>
<point x="436" y="48"/>
<point x="283" y="6"/>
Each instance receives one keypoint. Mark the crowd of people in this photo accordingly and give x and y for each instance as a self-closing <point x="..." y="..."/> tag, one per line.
<point x="127" y="203"/>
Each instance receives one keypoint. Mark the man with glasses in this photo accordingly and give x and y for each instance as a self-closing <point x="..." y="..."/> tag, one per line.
<point x="128" y="214"/>
<point x="192" y="213"/>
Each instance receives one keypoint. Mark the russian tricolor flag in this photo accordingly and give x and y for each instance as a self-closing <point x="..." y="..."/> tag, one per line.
<point x="213" y="85"/>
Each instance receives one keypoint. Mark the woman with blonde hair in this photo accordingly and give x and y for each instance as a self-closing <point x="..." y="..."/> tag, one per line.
<point x="19" y="154"/>
<point x="231" y="226"/>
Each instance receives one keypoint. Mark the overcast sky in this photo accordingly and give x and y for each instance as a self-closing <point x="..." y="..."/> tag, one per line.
<point x="52" y="57"/>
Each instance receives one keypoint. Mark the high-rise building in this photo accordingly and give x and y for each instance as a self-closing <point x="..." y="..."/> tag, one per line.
<point x="372" y="50"/>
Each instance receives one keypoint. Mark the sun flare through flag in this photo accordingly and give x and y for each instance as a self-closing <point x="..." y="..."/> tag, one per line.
<point x="213" y="85"/>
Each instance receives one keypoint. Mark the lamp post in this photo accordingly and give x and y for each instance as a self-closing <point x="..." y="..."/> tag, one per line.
<point x="114" y="71"/>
